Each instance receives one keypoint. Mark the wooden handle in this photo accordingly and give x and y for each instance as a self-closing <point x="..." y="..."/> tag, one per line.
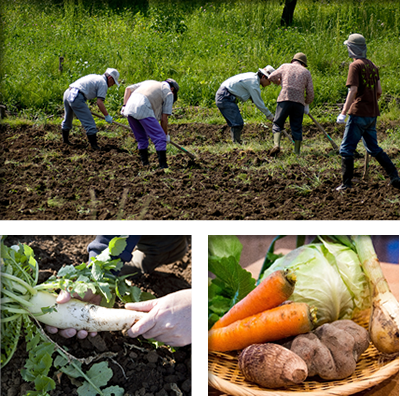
<point x="334" y="145"/>
<point x="127" y="127"/>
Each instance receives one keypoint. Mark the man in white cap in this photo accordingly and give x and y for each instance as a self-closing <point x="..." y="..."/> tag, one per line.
<point x="86" y="88"/>
<point x="148" y="105"/>
<point x="294" y="99"/>
<point x="364" y="90"/>
<point x="243" y="86"/>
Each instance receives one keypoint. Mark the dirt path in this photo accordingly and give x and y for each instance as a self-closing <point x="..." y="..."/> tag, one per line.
<point x="137" y="366"/>
<point x="44" y="179"/>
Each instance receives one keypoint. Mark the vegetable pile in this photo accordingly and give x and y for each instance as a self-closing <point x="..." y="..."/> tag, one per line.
<point x="305" y="301"/>
<point x="24" y="303"/>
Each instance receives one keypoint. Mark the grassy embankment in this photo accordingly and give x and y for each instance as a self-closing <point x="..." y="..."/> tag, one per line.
<point x="200" y="45"/>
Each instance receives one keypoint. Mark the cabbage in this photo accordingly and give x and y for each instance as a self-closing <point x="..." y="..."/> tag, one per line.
<point x="329" y="277"/>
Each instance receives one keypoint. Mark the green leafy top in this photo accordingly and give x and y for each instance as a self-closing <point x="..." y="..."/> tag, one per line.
<point x="231" y="282"/>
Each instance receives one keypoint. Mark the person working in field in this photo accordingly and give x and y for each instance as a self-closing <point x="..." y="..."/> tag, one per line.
<point x="169" y="317"/>
<point x="243" y="87"/>
<point x="86" y="88"/>
<point x="361" y="104"/>
<point x="145" y="104"/>
<point x="294" y="99"/>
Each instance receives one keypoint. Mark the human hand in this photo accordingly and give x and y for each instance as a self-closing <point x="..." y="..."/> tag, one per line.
<point x="271" y="117"/>
<point x="122" y="111"/>
<point x="168" y="319"/>
<point x="168" y="138"/>
<point x="341" y="119"/>
<point x="108" y="118"/>
<point x="307" y="109"/>
<point x="64" y="297"/>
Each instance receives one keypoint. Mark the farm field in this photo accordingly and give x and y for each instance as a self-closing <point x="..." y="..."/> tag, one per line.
<point x="138" y="366"/>
<point x="44" y="179"/>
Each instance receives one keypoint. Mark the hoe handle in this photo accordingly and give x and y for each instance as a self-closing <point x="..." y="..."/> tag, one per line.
<point x="192" y="156"/>
<point x="334" y="145"/>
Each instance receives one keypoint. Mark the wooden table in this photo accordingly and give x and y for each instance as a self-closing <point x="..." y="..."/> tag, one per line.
<point x="389" y="387"/>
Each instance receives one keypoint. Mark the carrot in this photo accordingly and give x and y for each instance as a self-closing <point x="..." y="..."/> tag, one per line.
<point x="272" y="291"/>
<point x="274" y="324"/>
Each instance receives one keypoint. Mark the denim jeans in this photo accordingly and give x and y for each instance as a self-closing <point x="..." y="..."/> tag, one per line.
<point x="358" y="128"/>
<point x="82" y="112"/>
<point x="226" y="103"/>
<point x="295" y="112"/>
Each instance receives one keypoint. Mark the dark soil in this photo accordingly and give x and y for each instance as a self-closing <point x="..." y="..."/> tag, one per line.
<point x="42" y="179"/>
<point x="138" y="367"/>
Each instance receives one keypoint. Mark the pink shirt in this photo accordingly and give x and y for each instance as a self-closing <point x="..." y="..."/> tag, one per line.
<point x="295" y="81"/>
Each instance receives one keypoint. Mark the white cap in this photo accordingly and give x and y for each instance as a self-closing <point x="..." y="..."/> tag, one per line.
<point x="267" y="70"/>
<point x="114" y="74"/>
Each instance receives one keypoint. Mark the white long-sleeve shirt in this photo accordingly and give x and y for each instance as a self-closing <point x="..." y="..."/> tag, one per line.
<point x="245" y="86"/>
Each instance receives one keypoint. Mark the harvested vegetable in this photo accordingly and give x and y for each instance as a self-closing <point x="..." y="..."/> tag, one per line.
<point x="78" y="315"/>
<point x="332" y="350"/>
<point x="384" y="319"/>
<point x="329" y="277"/>
<point x="271" y="325"/>
<point x="23" y="301"/>
<point x="271" y="292"/>
<point x="272" y="366"/>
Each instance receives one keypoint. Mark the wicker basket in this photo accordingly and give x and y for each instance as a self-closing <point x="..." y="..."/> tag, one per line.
<point x="372" y="368"/>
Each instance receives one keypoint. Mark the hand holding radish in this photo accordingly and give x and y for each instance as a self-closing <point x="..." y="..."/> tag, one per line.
<point x="63" y="298"/>
<point x="168" y="319"/>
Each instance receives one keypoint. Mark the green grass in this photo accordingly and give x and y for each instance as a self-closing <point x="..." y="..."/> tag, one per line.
<point x="198" y="44"/>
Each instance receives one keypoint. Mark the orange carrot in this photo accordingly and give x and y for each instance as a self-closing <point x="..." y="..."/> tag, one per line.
<point x="274" y="324"/>
<point x="272" y="291"/>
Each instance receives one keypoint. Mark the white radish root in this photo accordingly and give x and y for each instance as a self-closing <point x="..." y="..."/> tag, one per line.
<point x="79" y="315"/>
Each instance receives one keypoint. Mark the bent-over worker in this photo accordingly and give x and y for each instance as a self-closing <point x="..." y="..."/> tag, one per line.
<point x="361" y="104"/>
<point x="243" y="86"/>
<point x="294" y="99"/>
<point x="145" y="104"/>
<point x="75" y="97"/>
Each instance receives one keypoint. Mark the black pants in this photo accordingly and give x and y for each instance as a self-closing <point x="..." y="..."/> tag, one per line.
<point x="295" y="112"/>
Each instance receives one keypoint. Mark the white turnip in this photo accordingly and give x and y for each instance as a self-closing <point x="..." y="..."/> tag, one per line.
<point x="79" y="315"/>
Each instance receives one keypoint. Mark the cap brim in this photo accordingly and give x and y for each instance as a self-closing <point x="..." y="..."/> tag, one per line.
<point x="345" y="42"/>
<point x="175" y="96"/>
<point x="116" y="82"/>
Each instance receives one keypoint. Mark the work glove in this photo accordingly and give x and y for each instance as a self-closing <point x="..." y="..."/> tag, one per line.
<point x="341" y="119"/>
<point x="271" y="117"/>
<point x="168" y="138"/>
<point x="109" y="119"/>
<point x="307" y="109"/>
<point x="122" y="111"/>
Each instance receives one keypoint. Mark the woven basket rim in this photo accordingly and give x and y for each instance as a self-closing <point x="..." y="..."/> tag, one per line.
<point x="342" y="390"/>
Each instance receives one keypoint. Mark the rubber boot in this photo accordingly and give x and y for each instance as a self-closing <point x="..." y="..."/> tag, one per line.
<point x="93" y="142"/>
<point x="144" y="156"/>
<point x="162" y="159"/>
<point x="277" y="144"/>
<point x="390" y="169"/>
<point x="297" y="146"/>
<point x="65" y="135"/>
<point x="347" y="173"/>
<point x="236" y="133"/>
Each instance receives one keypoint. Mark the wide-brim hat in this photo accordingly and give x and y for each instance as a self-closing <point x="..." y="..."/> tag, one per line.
<point x="300" y="57"/>
<point x="267" y="70"/>
<point x="356" y="39"/>
<point x="114" y="74"/>
<point x="174" y="84"/>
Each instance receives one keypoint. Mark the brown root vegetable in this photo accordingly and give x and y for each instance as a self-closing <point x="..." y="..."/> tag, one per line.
<point x="333" y="349"/>
<point x="272" y="366"/>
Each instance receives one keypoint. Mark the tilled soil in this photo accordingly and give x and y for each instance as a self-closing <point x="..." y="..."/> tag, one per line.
<point x="138" y="367"/>
<point x="44" y="179"/>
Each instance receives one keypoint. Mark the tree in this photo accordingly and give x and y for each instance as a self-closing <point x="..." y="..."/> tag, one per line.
<point x="288" y="11"/>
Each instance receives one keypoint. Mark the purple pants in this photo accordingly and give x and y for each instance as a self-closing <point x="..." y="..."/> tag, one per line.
<point x="148" y="128"/>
